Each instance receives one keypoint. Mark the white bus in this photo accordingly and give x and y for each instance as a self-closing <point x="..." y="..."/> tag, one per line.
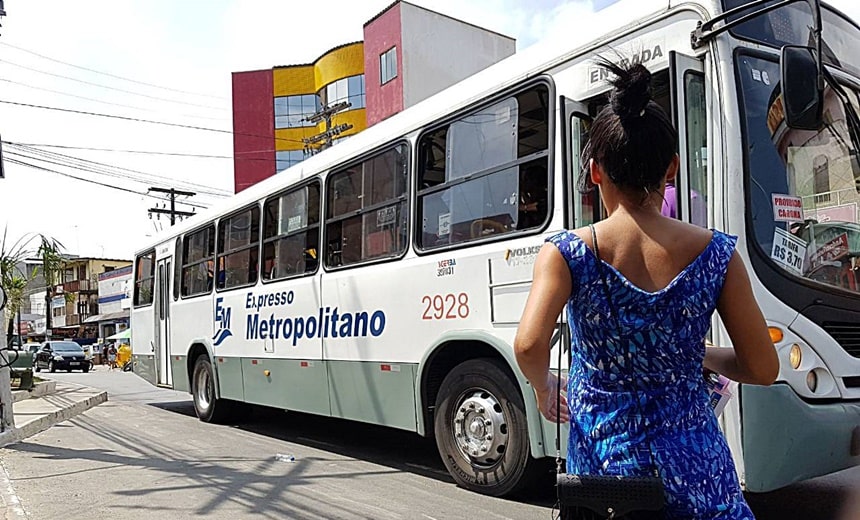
<point x="382" y="280"/>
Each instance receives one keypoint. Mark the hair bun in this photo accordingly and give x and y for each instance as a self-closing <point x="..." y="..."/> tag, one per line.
<point x="632" y="91"/>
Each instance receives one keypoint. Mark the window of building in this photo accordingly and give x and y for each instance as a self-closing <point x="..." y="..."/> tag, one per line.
<point x="367" y="209"/>
<point x="291" y="111"/>
<point x="291" y="233"/>
<point x="144" y="274"/>
<point x="487" y="173"/>
<point x="350" y="90"/>
<point x="388" y="65"/>
<point x="287" y="158"/>
<point x="198" y="262"/>
<point x="238" y="249"/>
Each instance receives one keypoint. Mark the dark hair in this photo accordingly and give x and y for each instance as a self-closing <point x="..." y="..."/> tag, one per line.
<point x="632" y="138"/>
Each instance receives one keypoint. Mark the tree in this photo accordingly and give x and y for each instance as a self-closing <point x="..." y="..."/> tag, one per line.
<point x="12" y="279"/>
<point x="14" y="283"/>
<point x="53" y="264"/>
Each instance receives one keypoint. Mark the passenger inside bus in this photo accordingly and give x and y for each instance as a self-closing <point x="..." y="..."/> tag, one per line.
<point x="533" y="196"/>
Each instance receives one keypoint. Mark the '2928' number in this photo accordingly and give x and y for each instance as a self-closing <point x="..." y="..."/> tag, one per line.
<point x="445" y="306"/>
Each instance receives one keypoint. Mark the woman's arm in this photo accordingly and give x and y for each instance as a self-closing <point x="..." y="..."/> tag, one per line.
<point x="753" y="359"/>
<point x="551" y="286"/>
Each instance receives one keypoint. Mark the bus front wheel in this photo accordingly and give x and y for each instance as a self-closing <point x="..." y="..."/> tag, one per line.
<point x="207" y="407"/>
<point x="481" y="429"/>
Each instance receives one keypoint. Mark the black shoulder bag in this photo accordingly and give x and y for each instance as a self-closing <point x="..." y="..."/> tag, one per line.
<point x="592" y="497"/>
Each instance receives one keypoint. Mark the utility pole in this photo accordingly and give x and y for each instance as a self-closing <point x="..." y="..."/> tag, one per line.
<point x="7" y="417"/>
<point x="328" y="135"/>
<point x="173" y="212"/>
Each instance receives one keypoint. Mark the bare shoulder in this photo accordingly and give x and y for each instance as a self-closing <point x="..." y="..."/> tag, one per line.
<point x="584" y="234"/>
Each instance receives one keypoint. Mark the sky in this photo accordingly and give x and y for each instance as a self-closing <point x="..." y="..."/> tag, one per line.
<point x="180" y="55"/>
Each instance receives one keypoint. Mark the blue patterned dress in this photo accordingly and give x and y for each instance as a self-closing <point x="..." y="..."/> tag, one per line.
<point x="664" y="345"/>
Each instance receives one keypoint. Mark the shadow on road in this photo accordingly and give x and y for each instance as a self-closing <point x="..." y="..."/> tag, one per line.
<point x="396" y="449"/>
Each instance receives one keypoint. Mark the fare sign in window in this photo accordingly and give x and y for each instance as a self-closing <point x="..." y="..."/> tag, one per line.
<point x="788" y="251"/>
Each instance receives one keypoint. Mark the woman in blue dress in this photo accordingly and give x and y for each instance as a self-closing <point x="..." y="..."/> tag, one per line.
<point x="638" y="317"/>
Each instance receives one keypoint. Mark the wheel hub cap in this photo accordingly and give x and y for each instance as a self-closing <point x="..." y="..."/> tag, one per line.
<point x="203" y="389"/>
<point x="480" y="428"/>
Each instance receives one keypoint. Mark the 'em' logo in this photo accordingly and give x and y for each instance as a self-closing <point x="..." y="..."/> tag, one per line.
<point x="222" y="319"/>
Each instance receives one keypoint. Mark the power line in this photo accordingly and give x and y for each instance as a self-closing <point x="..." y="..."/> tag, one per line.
<point x="111" y="75"/>
<point x="99" y="85"/>
<point x="150" y="121"/>
<point x="75" y="177"/>
<point x="108" y="169"/>
<point x="151" y="176"/>
<point x="147" y="152"/>
<point x="104" y="102"/>
<point x="33" y="166"/>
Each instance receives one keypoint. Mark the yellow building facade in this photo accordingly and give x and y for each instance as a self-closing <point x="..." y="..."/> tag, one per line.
<point x="300" y="91"/>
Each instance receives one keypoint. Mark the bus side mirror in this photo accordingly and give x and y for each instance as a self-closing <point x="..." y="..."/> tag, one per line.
<point x="802" y="98"/>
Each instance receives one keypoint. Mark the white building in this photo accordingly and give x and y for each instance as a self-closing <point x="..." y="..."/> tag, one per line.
<point x="114" y="301"/>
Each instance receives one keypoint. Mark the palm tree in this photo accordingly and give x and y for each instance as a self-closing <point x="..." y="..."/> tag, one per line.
<point x="53" y="263"/>
<point x="12" y="280"/>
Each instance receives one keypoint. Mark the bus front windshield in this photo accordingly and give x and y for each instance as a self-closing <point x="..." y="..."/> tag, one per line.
<point x="803" y="186"/>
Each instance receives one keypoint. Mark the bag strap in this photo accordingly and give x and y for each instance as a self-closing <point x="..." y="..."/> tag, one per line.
<point x="612" y="312"/>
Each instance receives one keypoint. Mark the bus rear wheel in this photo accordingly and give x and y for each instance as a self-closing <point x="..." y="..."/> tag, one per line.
<point x="481" y="429"/>
<point x="206" y="405"/>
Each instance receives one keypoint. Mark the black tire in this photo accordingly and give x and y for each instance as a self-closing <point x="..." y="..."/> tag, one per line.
<point x="481" y="429"/>
<point x="85" y="369"/>
<point x="208" y="408"/>
<point x="37" y="367"/>
<point x="51" y="367"/>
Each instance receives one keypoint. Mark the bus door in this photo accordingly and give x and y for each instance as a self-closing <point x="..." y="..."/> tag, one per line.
<point x="690" y="197"/>
<point x="162" y="322"/>
<point x="580" y="209"/>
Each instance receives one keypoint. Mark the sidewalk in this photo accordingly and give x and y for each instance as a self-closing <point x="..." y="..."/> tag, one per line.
<point x="52" y="402"/>
<point x="49" y="403"/>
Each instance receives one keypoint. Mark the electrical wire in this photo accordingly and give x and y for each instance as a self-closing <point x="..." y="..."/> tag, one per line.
<point x="150" y="121"/>
<point x="107" y="87"/>
<point x="64" y="174"/>
<point x="147" y="177"/>
<point x="109" y="74"/>
<point x="8" y="350"/>
<point x="105" y="102"/>
<point x="111" y="170"/>
<point x="33" y="166"/>
<point x="149" y="152"/>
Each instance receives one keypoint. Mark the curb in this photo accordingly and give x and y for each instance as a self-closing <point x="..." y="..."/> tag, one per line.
<point x="46" y="421"/>
<point x="39" y="389"/>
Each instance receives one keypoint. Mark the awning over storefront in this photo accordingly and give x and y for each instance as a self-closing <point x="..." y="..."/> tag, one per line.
<point x="125" y="334"/>
<point x="111" y="316"/>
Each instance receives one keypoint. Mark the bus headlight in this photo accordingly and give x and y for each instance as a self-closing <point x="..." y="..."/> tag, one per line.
<point x="812" y="381"/>
<point x="795" y="356"/>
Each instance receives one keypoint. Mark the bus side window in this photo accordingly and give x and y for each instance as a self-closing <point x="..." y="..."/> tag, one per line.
<point x="367" y="209"/>
<point x="198" y="254"/>
<point x="291" y="233"/>
<point x="503" y="150"/>
<point x="238" y="249"/>
<point x="144" y="275"/>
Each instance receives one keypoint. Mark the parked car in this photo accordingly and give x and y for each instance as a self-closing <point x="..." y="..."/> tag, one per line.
<point x="61" y="355"/>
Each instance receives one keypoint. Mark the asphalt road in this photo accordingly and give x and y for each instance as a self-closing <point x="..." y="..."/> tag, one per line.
<point x="143" y="454"/>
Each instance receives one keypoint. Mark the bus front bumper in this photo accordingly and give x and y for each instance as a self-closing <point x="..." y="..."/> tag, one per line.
<point x="787" y="439"/>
